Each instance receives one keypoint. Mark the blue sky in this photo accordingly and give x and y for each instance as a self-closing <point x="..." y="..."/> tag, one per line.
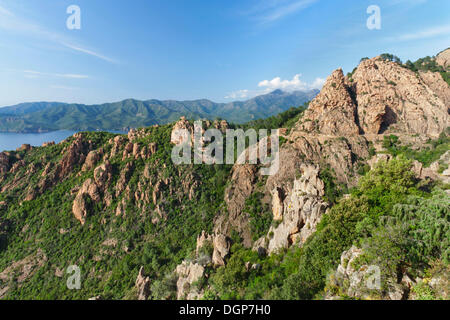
<point x="218" y="49"/>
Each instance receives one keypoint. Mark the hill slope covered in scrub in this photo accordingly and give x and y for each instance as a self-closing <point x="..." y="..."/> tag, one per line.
<point x="363" y="183"/>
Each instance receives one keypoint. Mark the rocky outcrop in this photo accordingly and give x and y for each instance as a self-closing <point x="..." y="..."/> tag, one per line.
<point x="91" y="160"/>
<point x="203" y="241"/>
<point x="361" y="281"/>
<point x="435" y="82"/>
<point x="333" y="111"/>
<point x="241" y="187"/>
<point x="221" y="249"/>
<point x="277" y="204"/>
<point x="303" y="209"/>
<point x="117" y="144"/>
<point x="142" y="285"/>
<point x="75" y="155"/>
<point x="188" y="274"/>
<point x="124" y="176"/>
<point x="80" y="206"/>
<point x="48" y="144"/>
<point x="182" y="132"/>
<point x="4" y="163"/>
<point x="103" y="175"/>
<point x="395" y="99"/>
<point x="92" y="188"/>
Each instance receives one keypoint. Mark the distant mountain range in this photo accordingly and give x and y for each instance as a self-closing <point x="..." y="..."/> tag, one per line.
<point x="51" y="116"/>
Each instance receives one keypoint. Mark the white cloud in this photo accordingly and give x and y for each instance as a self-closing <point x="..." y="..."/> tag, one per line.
<point x="267" y="86"/>
<point x="240" y="94"/>
<point x="423" y="34"/>
<point x="290" y="85"/>
<point x="36" y="74"/>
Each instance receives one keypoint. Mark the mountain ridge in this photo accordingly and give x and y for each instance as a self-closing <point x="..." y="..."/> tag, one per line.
<point x="133" y="113"/>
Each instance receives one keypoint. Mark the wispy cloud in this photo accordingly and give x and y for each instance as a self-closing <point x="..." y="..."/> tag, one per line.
<point x="37" y="74"/>
<point x="89" y="52"/>
<point x="423" y="34"/>
<point x="12" y="23"/>
<point x="269" y="11"/>
<point x="288" y="9"/>
<point x="267" y="86"/>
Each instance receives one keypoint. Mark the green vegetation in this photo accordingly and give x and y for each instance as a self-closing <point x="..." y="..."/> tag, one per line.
<point x="428" y="64"/>
<point x="285" y="119"/>
<point x="426" y="156"/>
<point x="391" y="57"/>
<point x="260" y="215"/>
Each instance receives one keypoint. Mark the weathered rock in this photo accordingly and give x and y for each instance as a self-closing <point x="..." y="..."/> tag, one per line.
<point x="303" y="209"/>
<point x="117" y="143"/>
<point x="277" y="204"/>
<point x="4" y="163"/>
<point x="188" y="274"/>
<point x="91" y="160"/>
<point x="391" y="97"/>
<point x="123" y="180"/>
<point x="365" y="282"/>
<point x="203" y="240"/>
<point x="333" y="111"/>
<point x="221" y="250"/>
<point x="182" y="132"/>
<point x="143" y="285"/>
<point x="75" y="155"/>
<point x="103" y="175"/>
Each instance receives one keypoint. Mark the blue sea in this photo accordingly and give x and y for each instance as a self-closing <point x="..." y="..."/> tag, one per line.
<point x="12" y="141"/>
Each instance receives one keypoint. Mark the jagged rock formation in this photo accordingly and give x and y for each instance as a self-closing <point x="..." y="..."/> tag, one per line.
<point x="188" y="274"/>
<point x="303" y="209"/>
<point x="392" y="97"/>
<point x="143" y="285"/>
<point x="333" y="111"/>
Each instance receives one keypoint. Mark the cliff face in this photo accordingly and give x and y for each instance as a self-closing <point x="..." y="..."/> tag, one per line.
<point x="391" y="98"/>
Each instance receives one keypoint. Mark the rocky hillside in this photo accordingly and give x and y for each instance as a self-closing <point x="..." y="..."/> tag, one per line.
<point x="362" y="186"/>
